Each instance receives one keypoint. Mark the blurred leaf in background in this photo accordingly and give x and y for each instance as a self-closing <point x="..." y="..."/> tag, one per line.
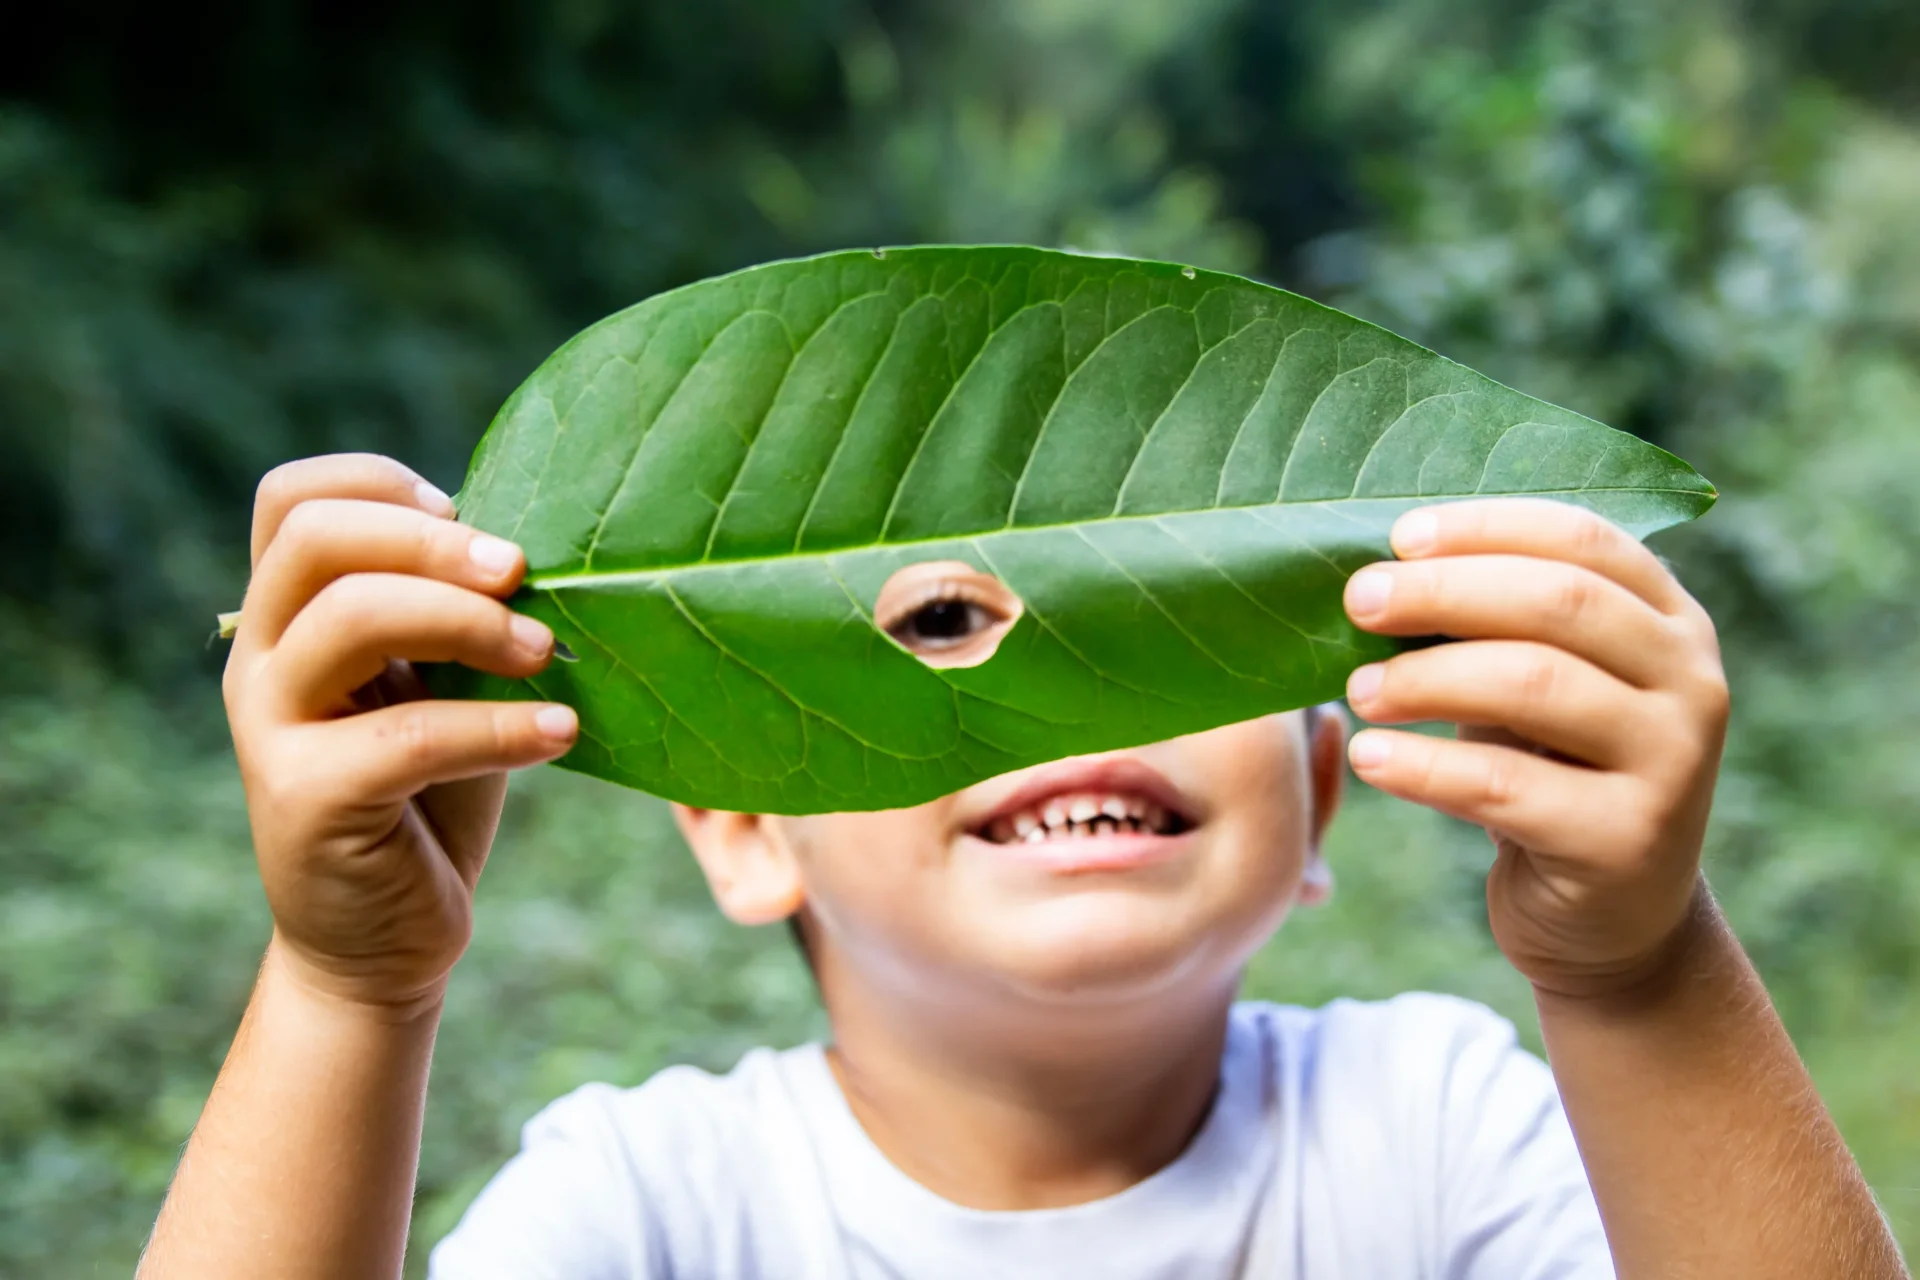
<point x="241" y="233"/>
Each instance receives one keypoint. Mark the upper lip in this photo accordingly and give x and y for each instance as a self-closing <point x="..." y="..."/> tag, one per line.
<point x="1126" y="775"/>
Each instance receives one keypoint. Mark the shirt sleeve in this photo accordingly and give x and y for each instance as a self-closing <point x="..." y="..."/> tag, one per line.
<point x="567" y="1207"/>
<point x="1514" y="1199"/>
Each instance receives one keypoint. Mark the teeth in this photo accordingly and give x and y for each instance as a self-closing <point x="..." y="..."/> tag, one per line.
<point x="1082" y="817"/>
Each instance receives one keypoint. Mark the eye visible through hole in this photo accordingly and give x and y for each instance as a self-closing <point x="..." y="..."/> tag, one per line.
<point x="946" y="612"/>
<point x="941" y="623"/>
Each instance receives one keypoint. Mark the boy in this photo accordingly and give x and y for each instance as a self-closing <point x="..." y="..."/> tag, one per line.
<point x="1037" y="1065"/>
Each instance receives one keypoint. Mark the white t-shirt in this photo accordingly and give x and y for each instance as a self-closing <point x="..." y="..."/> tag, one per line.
<point x="1408" y="1138"/>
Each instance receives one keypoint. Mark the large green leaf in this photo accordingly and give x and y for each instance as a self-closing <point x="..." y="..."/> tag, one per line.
<point x="1175" y="470"/>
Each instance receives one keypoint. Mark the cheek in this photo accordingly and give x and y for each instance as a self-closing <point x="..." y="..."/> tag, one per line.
<point x="1257" y="773"/>
<point x="861" y="871"/>
<point x="1262" y="860"/>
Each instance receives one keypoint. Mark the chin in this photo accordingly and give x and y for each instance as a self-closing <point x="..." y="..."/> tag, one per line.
<point x="1106" y="948"/>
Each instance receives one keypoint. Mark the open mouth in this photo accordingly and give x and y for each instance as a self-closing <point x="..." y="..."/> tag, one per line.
<point x="1088" y="800"/>
<point x="1086" y="816"/>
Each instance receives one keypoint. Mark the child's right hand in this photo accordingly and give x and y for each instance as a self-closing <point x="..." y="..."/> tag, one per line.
<point x="372" y="809"/>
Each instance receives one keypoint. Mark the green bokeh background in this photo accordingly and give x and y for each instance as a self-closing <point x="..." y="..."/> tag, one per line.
<point x="254" y="231"/>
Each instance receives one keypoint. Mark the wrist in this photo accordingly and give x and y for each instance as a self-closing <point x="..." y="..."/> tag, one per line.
<point x="1659" y="977"/>
<point x="324" y="991"/>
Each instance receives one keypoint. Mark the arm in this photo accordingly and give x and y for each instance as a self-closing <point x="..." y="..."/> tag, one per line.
<point x="372" y="813"/>
<point x="1709" y="1152"/>
<point x="1593" y="707"/>
<point x="302" y="1163"/>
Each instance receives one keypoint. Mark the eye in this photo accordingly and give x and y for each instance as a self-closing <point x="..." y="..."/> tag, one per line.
<point x="946" y="612"/>
<point x="940" y="624"/>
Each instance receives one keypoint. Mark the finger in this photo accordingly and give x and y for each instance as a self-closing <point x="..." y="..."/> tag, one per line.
<point x="1519" y="598"/>
<point x="466" y="813"/>
<point x="1491" y="733"/>
<point x="351" y="630"/>
<point x="366" y="476"/>
<point x="393" y="753"/>
<point x="1560" y="810"/>
<point x="1545" y="695"/>
<point x="323" y="539"/>
<point x="1545" y="529"/>
<point x="400" y="682"/>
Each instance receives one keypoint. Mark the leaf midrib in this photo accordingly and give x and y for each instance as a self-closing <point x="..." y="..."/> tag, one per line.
<point x="560" y="581"/>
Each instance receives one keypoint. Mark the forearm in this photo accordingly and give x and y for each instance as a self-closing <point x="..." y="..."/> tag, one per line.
<point x="302" y="1164"/>
<point x="1709" y="1151"/>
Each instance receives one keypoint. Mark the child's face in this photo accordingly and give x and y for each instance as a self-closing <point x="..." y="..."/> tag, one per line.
<point x="1100" y="875"/>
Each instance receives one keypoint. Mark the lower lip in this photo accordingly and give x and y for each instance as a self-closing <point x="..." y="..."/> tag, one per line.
<point x="1078" y="855"/>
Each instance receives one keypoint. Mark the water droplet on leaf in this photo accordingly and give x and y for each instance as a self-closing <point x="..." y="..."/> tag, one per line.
<point x="1188" y="272"/>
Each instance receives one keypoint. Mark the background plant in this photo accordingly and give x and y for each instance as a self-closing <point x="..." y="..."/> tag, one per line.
<point x="240" y="233"/>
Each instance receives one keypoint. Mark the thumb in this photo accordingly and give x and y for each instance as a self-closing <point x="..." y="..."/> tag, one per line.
<point x="466" y="814"/>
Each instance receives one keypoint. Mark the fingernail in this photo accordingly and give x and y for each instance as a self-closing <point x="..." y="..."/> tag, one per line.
<point x="432" y="499"/>
<point x="558" y="723"/>
<point x="1367" y="593"/>
<point x="1415" y="533"/>
<point x="532" y="635"/>
<point x="1365" y="682"/>
<point x="1369" y="750"/>
<point x="495" y="555"/>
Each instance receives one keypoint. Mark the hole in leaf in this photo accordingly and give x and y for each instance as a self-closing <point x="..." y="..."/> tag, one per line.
<point x="946" y="612"/>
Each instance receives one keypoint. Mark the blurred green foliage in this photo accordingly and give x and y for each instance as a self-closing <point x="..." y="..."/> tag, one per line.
<point x="253" y="231"/>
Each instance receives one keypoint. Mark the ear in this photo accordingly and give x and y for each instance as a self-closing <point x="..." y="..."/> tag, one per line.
<point x="748" y="862"/>
<point x="1327" y="776"/>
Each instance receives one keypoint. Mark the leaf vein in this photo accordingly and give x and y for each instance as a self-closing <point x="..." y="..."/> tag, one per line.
<point x="633" y="459"/>
<point x="1293" y="450"/>
<point x="1040" y="621"/>
<point x="1266" y="388"/>
<point x="770" y="682"/>
<point x="846" y="430"/>
<point x="1147" y="594"/>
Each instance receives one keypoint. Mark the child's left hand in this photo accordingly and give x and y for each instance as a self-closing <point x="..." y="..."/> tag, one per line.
<point x="1592" y="705"/>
